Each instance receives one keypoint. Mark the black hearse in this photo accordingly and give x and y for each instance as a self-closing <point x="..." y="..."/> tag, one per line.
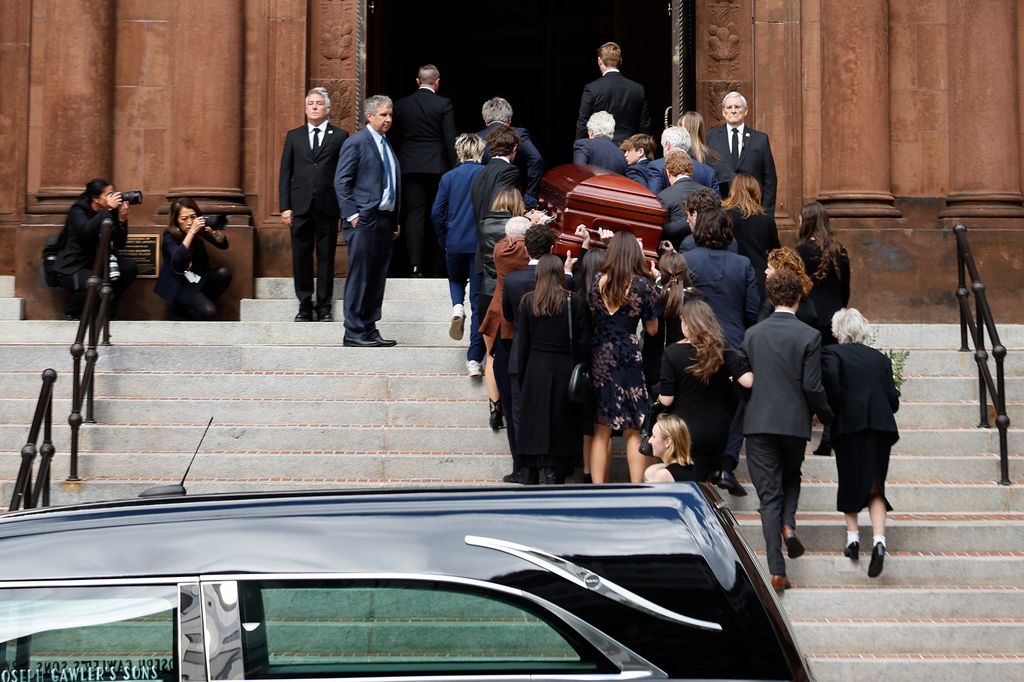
<point x="569" y="583"/>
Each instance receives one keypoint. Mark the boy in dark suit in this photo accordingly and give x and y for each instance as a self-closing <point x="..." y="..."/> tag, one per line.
<point x="785" y="356"/>
<point x="309" y="205"/>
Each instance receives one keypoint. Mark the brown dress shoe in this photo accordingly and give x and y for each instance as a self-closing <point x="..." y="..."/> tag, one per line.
<point x="794" y="547"/>
<point x="780" y="583"/>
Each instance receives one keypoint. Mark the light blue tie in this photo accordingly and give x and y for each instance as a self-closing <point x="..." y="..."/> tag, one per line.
<point x="387" y="165"/>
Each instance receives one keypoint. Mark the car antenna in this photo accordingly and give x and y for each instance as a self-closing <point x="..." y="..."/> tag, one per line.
<point x="177" y="489"/>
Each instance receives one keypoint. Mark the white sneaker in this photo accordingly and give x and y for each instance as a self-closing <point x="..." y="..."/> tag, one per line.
<point x="458" y="322"/>
<point x="474" y="368"/>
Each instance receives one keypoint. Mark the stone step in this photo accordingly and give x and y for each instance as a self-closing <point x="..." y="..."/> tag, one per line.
<point x="917" y="667"/>
<point x="397" y="288"/>
<point x="927" y="389"/>
<point x="939" y="335"/>
<point x="942" y="569"/>
<point x="867" y="601"/>
<point x="899" y="635"/>
<point x="908" y="496"/>
<point x="12" y="308"/>
<point x="950" y="362"/>
<point x="6" y="286"/>
<point x="405" y="310"/>
<point x="912" y="466"/>
<point x="918" y="532"/>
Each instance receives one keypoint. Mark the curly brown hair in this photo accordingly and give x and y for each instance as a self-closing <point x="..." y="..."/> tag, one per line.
<point x="705" y="335"/>
<point x="785" y="258"/>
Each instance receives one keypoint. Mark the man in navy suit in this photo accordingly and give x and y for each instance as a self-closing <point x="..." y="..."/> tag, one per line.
<point x="497" y="112"/>
<point x="368" y="185"/>
<point x="744" y="149"/>
<point x="309" y="205"/>
<point x="681" y="185"/>
<point x="598" y="149"/>
<point x="612" y="92"/>
<point x="424" y="138"/>
<point x="678" y="138"/>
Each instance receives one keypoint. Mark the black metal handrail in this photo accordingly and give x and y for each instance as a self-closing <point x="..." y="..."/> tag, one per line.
<point x="27" y="496"/>
<point x="95" y="316"/>
<point x="976" y="325"/>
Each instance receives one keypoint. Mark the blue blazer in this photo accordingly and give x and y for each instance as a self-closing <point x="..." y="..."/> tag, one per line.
<point x="644" y="172"/>
<point x="703" y="174"/>
<point x="452" y="214"/>
<point x="359" y="180"/>
<point x="599" y="151"/>
<point x="727" y="280"/>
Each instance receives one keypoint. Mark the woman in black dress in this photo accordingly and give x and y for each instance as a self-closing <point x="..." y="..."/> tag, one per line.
<point x="673" y="278"/>
<point x="827" y="264"/>
<point x="697" y="377"/>
<point x="187" y="281"/>
<point x="753" y="228"/>
<point x="550" y="439"/>
<point x="863" y="396"/>
<point x="670" y="442"/>
<point x="620" y="297"/>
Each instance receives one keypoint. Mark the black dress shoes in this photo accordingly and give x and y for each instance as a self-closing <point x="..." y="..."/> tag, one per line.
<point x="324" y="316"/>
<point x="304" y="315"/>
<point x="381" y="341"/>
<point x="852" y="551"/>
<point x="364" y="343"/>
<point x="877" y="560"/>
<point x="727" y="481"/>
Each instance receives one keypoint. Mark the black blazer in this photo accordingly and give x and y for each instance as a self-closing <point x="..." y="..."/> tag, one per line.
<point x="305" y="179"/>
<point x="622" y="98"/>
<point x="861" y="390"/>
<point x="831" y="293"/>
<point x="600" y="151"/>
<point x="528" y="160"/>
<point x="785" y="356"/>
<point x="83" y="226"/>
<point x="517" y="285"/>
<point x="496" y="175"/>
<point x="672" y="198"/>
<point x="423" y="133"/>
<point x="756" y="159"/>
<point x="755" y="237"/>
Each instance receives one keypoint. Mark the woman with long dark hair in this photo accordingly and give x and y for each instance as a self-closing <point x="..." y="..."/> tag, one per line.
<point x="754" y="230"/>
<point x="697" y="376"/>
<point x="620" y="296"/>
<point x="553" y="334"/>
<point x="188" y="283"/>
<point x="827" y="264"/>
<point x="81" y="242"/>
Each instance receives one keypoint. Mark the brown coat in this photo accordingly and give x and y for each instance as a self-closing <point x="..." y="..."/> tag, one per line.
<point x="509" y="256"/>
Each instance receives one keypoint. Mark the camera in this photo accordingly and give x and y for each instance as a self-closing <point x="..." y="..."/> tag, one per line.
<point x="215" y="221"/>
<point x="132" y="198"/>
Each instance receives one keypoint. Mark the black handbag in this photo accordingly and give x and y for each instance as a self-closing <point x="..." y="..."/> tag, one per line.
<point x="581" y="386"/>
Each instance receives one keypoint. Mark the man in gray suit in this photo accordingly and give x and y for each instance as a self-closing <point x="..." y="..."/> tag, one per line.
<point x="785" y="356"/>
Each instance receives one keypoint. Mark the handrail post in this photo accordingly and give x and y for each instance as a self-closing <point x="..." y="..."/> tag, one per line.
<point x="27" y="496"/>
<point x="961" y="289"/>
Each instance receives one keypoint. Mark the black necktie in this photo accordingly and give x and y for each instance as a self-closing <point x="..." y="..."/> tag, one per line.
<point x="735" y="147"/>
<point x="316" y="140"/>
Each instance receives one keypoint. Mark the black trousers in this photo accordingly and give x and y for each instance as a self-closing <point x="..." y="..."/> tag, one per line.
<point x="369" y="253"/>
<point x="418" y="192"/>
<point x="319" y="231"/>
<point x="75" y="285"/>
<point x="774" y="463"/>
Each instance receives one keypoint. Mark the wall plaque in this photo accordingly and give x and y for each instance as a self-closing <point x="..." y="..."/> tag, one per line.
<point x="144" y="249"/>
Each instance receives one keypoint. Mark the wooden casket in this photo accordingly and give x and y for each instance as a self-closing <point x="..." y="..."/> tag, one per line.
<point x="597" y="198"/>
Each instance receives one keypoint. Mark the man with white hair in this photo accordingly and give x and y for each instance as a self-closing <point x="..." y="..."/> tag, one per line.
<point x="598" y="149"/>
<point x="743" y="149"/>
<point x="612" y="92"/>
<point x="497" y="112"/>
<point x="677" y="137"/>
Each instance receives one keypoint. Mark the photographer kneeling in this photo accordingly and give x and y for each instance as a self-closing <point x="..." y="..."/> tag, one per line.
<point x="187" y="282"/>
<point x="82" y="241"/>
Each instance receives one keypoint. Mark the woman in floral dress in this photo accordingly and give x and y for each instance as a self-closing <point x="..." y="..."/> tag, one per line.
<point x="621" y="295"/>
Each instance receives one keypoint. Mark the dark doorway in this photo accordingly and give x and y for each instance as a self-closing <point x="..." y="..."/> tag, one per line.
<point x="536" y="54"/>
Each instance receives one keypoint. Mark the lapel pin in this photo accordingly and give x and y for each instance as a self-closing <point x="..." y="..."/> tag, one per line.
<point x="330" y="132"/>
<point x="746" y="134"/>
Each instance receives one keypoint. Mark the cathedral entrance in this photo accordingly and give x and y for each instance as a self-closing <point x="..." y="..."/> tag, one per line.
<point x="536" y="54"/>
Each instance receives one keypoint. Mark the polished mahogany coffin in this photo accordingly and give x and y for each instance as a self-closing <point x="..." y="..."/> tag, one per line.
<point x="576" y="194"/>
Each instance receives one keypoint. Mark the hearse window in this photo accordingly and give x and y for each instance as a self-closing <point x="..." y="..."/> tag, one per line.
<point x="88" y="634"/>
<point x="401" y="627"/>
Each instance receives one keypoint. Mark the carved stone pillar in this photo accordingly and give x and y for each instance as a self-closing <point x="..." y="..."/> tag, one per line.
<point x="984" y="175"/>
<point x="77" y="142"/>
<point x="207" y="105"/>
<point x="855" y="173"/>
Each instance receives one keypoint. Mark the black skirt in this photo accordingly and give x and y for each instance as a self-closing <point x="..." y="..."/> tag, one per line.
<point x="862" y="459"/>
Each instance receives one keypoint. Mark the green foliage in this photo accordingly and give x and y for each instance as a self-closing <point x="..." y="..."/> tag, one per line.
<point x="899" y="361"/>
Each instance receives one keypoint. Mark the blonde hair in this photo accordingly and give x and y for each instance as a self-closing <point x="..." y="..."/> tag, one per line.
<point x="678" y="435"/>
<point x="509" y="199"/>
<point x="469" y="147"/>
<point x="744" y="195"/>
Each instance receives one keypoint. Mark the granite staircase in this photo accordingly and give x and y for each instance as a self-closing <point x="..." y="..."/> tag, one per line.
<point x="293" y="408"/>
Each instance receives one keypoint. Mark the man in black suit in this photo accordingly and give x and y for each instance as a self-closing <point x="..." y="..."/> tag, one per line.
<point x="598" y="149"/>
<point x="743" y="149"/>
<point x="500" y="172"/>
<point x="497" y="112"/>
<point x="612" y="92"/>
<point x="424" y="137"/>
<point x="309" y="205"/>
<point x="679" y="168"/>
<point x="785" y="356"/>
<point x="368" y="185"/>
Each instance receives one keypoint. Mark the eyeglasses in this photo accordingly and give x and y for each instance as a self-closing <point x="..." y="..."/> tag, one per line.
<point x="734" y="107"/>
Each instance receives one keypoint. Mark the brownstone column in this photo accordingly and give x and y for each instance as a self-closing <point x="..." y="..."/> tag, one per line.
<point x="207" y="105"/>
<point x="984" y="175"/>
<point x="77" y="141"/>
<point x="855" y="110"/>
